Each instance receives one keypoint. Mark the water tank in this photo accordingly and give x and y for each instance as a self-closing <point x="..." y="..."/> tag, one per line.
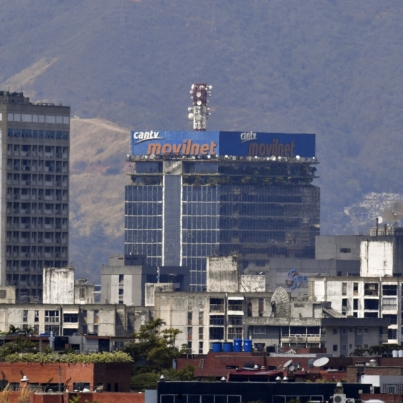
<point x="217" y="347"/>
<point x="227" y="347"/>
<point x="247" y="346"/>
<point x="394" y="353"/>
<point x="400" y="353"/>
<point x="237" y="345"/>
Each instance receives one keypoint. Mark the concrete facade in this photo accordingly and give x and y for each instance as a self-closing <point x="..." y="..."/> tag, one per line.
<point x="68" y="320"/>
<point x="34" y="199"/>
<point x="222" y="274"/>
<point x="123" y="280"/>
<point x="365" y="297"/>
<point x="7" y="295"/>
<point x="58" y="285"/>
<point x="204" y="318"/>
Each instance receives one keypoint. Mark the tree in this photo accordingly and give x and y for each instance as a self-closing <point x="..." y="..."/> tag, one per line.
<point x="156" y="346"/>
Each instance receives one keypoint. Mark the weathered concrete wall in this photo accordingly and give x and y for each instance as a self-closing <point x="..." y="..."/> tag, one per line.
<point x="252" y="283"/>
<point x="58" y="286"/>
<point x="222" y="274"/>
<point x="340" y="247"/>
<point x="7" y="295"/>
<point x="84" y="294"/>
<point x="151" y="288"/>
<point x="376" y="258"/>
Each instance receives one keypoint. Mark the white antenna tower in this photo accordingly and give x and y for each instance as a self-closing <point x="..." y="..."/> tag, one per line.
<point x="199" y="112"/>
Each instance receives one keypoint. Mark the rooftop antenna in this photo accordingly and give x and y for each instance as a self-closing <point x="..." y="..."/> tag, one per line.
<point x="199" y="112"/>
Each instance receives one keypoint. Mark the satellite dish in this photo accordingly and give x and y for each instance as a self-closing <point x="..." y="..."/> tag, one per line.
<point x="397" y="207"/>
<point x="280" y="303"/>
<point x="379" y="219"/>
<point x="320" y="362"/>
<point x="310" y="362"/>
<point x="391" y="216"/>
<point x="291" y="368"/>
<point x="287" y="364"/>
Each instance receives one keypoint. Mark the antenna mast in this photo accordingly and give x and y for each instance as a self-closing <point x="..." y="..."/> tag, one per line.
<point x="199" y="112"/>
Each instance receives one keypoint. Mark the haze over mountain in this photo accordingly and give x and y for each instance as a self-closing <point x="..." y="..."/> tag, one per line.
<point x="333" y="68"/>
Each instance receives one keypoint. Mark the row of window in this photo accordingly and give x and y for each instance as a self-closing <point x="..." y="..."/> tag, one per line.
<point x="371" y="289"/>
<point x="38" y="134"/>
<point x="34" y="118"/>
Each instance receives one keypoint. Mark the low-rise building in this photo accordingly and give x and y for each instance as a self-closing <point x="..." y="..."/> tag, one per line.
<point x="74" y="319"/>
<point x="268" y="319"/>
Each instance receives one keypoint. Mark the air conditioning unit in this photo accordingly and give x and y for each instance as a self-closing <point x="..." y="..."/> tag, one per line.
<point x="339" y="398"/>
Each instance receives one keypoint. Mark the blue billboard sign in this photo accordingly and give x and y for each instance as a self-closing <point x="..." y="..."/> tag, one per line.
<point x="222" y="143"/>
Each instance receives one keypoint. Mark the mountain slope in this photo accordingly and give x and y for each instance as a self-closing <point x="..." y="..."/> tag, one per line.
<point x="331" y="68"/>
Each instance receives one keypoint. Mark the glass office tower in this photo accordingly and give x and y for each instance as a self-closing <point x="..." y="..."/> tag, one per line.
<point x="182" y="208"/>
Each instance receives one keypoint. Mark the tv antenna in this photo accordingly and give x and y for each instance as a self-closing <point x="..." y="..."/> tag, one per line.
<point x="199" y="112"/>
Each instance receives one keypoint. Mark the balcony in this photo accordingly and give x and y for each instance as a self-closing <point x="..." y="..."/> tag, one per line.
<point x="213" y="307"/>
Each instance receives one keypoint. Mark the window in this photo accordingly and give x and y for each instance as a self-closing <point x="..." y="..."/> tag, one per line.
<point x="201" y="331"/>
<point x="366" y="330"/>
<point x="82" y="293"/>
<point x="121" y="278"/>
<point x="36" y="316"/>
<point x="120" y="291"/>
<point x="235" y="320"/>
<point x="355" y="304"/>
<point x="51" y="316"/>
<point x="234" y="333"/>
<point x="344" y="330"/>
<point x="389" y="289"/>
<point x="217" y="320"/>
<point x="190" y="315"/>
<point x="216" y="333"/>
<point x="3" y="294"/>
<point x="261" y="306"/>
<point x="334" y="347"/>
<point x="345" y="250"/>
<point x="25" y="316"/>
<point x="344" y="289"/>
<point x="335" y="330"/>
<point x="259" y="329"/>
<point x="359" y="330"/>
<point x="70" y="317"/>
<point x="371" y="304"/>
<point x="201" y="318"/>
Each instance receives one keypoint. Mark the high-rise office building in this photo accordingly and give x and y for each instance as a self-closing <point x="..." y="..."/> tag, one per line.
<point x="202" y="193"/>
<point x="34" y="228"/>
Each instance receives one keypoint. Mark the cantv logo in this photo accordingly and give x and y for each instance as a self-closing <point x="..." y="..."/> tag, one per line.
<point x="146" y="136"/>
<point x="249" y="136"/>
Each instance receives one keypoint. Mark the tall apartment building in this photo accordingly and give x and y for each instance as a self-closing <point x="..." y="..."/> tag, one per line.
<point x="203" y="193"/>
<point x="34" y="208"/>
